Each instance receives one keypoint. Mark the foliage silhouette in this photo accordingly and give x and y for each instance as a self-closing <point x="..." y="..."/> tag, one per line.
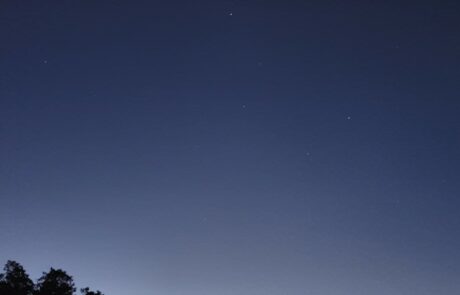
<point x="55" y="282"/>
<point x="86" y="291"/>
<point x="15" y="281"/>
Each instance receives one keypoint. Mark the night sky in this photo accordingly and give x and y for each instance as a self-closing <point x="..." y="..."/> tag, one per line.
<point x="233" y="147"/>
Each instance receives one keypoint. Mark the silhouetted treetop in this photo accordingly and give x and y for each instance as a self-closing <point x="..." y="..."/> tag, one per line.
<point x="15" y="280"/>
<point x="87" y="291"/>
<point x="55" y="282"/>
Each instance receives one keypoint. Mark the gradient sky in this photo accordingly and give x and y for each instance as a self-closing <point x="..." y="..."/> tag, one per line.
<point x="233" y="147"/>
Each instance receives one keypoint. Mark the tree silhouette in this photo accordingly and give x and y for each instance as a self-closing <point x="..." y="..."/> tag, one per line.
<point x="86" y="291"/>
<point x="15" y="280"/>
<point x="55" y="282"/>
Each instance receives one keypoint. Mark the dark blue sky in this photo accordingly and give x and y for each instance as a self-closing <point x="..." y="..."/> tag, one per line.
<point x="233" y="147"/>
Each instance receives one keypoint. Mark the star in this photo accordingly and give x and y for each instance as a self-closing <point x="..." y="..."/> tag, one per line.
<point x="230" y="13"/>
<point x="349" y="118"/>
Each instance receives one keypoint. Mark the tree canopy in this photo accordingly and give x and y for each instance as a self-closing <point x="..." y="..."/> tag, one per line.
<point x="15" y="281"/>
